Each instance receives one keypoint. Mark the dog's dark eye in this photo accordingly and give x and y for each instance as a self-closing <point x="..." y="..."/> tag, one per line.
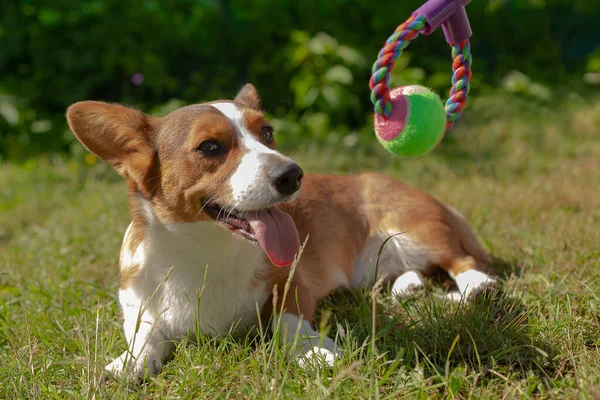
<point x="267" y="134"/>
<point x="210" y="147"/>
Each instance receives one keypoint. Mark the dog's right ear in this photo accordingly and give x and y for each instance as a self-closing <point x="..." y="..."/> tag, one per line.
<point x="119" y="135"/>
<point x="248" y="96"/>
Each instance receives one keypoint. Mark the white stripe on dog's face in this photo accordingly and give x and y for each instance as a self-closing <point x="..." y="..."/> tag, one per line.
<point x="251" y="187"/>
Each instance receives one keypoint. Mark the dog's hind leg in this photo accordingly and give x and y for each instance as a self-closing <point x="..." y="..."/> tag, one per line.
<point x="458" y="252"/>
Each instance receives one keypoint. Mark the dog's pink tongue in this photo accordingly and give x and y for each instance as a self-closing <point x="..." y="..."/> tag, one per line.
<point x="277" y="235"/>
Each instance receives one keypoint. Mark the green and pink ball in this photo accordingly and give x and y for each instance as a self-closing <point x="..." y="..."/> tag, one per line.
<point x="416" y="125"/>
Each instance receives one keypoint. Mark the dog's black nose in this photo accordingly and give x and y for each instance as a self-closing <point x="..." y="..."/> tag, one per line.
<point x="287" y="178"/>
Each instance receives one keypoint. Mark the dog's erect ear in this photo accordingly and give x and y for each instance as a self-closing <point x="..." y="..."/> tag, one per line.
<point x="119" y="135"/>
<point x="248" y="96"/>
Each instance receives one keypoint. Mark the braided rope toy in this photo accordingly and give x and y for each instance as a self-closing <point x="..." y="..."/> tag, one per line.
<point x="411" y="120"/>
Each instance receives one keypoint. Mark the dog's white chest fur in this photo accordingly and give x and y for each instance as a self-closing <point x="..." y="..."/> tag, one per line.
<point x="196" y="275"/>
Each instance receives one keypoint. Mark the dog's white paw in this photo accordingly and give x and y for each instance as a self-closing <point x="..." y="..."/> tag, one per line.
<point x="117" y="366"/>
<point x="311" y="348"/>
<point x="126" y="364"/>
<point x="454" y="297"/>
<point x="313" y="352"/>
<point x="472" y="282"/>
<point x="407" y="284"/>
<point x="317" y="356"/>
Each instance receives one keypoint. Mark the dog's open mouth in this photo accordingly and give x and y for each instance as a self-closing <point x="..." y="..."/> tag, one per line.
<point x="232" y="219"/>
<point x="273" y="229"/>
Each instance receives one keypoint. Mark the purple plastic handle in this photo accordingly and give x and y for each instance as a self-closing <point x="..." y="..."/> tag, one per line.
<point x="450" y="15"/>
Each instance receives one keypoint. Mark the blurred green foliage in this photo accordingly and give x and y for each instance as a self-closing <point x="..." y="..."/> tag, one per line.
<point x="309" y="59"/>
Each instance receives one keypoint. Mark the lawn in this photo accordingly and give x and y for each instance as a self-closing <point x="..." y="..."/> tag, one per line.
<point x="526" y="177"/>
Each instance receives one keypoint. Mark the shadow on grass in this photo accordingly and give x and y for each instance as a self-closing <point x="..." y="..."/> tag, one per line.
<point x="492" y="332"/>
<point x="504" y="268"/>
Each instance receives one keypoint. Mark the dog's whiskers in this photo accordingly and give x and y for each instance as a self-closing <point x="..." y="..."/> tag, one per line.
<point x="206" y="203"/>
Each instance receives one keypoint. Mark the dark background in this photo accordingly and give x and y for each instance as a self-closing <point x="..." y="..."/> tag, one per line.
<point x="310" y="59"/>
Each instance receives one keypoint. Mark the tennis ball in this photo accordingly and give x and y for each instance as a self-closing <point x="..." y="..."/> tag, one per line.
<point x="417" y="122"/>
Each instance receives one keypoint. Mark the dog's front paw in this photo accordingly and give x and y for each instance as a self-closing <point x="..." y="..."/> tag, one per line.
<point x="317" y="356"/>
<point x="312" y="352"/>
<point x="136" y="368"/>
<point x="117" y="366"/>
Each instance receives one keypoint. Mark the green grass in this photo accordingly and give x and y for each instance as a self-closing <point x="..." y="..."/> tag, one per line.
<point x="526" y="178"/>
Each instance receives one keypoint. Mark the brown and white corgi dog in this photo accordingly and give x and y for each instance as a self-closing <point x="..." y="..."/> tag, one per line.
<point x="218" y="216"/>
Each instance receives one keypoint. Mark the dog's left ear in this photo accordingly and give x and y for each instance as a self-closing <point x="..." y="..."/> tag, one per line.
<point x="119" y="135"/>
<point x="248" y="96"/>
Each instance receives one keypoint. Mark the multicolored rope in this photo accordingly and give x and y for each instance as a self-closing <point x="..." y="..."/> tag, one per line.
<point x="396" y="43"/>
<point x="461" y="81"/>
<point x="383" y="66"/>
